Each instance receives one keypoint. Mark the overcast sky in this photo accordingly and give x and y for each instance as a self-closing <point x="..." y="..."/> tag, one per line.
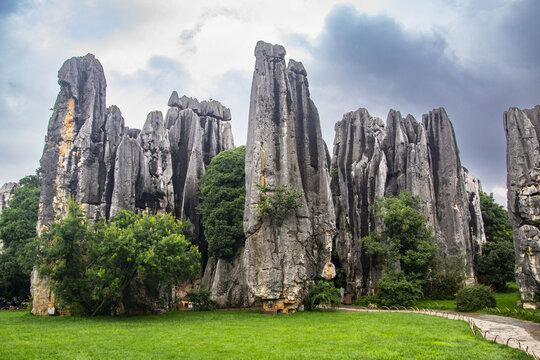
<point x="475" y="58"/>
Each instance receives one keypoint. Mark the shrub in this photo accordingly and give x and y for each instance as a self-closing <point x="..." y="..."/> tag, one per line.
<point x="396" y="290"/>
<point x="322" y="295"/>
<point x="201" y="300"/>
<point x="446" y="280"/>
<point x="472" y="298"/>
<point x="367" y="300"/>
<point x="277" y="206"/>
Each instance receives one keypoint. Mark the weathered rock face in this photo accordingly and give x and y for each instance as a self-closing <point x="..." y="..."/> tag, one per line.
<point x="523" y="161"/>
<point x="6" y="193"/>
<point x="90" y="155"/>
<point x="372" y="160"/>
<point x="361" y="178"/>
<point x="284" y="147"/>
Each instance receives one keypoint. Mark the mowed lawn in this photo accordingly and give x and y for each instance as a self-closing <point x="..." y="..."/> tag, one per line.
<point x="244" y="334"/>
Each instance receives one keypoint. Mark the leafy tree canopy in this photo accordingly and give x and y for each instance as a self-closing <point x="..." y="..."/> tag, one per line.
<point x="18" y="233"/>
<point x="495" y="267"/>
<point x="93" y="266"/>
<point x="222" y="196"/>
<point x="405" y="238"/>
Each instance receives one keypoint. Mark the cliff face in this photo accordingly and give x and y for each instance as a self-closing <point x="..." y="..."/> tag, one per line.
<point x="91" y="156"/>
<point x="372" y="160"/>
<point x="284" y="148"/>
<point x="523" y="162"/>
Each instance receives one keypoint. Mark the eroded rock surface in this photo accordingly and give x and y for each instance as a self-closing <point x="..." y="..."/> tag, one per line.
<point x="6" y="193"/>
<point x="371" y="160"/>
<point x="284" y="147"/>
<point x="93" y="157"/>
<point x="523" y="162"/>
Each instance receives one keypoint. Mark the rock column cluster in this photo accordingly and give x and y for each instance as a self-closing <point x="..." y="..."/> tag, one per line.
<point x="523" y="162"/>
<point x="91" y="156"/>
<point x="371" y="161"/>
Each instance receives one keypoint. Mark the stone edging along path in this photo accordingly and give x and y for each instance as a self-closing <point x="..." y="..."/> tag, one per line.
<point x="519" y="334"/>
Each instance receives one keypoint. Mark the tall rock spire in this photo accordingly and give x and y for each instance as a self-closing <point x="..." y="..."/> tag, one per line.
<point x="523" y="161"/>
<point x="284" y="148"/>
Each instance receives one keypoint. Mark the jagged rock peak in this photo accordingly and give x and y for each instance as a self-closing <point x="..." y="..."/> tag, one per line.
<point x="211" y="108"/>
<point x="296" y="67"/>
<point x="522" y="129"/>
<point x="268" y="51"/>
<point x="79" y="70"/>
<point x="422" y="158"/>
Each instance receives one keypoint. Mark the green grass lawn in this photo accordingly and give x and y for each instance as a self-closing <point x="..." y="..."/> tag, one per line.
<point x="506" y="305"/>
<point x="244" y="334"/>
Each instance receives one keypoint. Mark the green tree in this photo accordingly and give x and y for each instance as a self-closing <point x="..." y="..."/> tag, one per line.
<point x="18" y="233"/>
<point x="277" y="202"/>
<point x="64" y="245"/>
<point x="495" y="267"/>
<point x="222" y="195"/>
<point x="93" y="266"/>
<point x="405" y="238"/>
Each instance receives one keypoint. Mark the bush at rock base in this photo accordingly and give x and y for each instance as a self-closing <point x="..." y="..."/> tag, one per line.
<point x="322" y="295"/>
<point x="472" y="298"/>
<point x="396" y="290"/>
<point x="201" y="300"/>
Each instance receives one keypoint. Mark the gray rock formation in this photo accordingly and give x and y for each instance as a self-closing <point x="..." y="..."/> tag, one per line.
<point x="523" y="161"/>
<point x="372" y="160"/>
<point x="6" y="193"/>
<point x="284" y="147"/>
<point x="91" y="156"/>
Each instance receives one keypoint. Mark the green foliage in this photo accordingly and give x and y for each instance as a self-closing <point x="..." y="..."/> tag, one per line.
<point x="396" y="290"/>
<point x="367" y="300"/>
<point x="64" y="257"/>
<point x="334" y="172"/>
<point x="222" y="195"/>
<point x="472" y="298"/>
<point x="277" y="202"/>
<point x="445" y="280"/>
<point x="201" y="300"/>
<point x="495" y="267"/>
<point x="18" y="233"/>
<point x="92" y="266"/>
<point x="322" y="295"/>
<point x="405" y="237"/>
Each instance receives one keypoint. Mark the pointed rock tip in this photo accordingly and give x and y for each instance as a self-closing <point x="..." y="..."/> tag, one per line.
<point x="174" y="100"/>
<point x="297" y="67"/>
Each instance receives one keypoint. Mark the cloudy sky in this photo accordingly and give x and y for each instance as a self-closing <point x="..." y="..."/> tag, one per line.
<point x="475" y="58"/>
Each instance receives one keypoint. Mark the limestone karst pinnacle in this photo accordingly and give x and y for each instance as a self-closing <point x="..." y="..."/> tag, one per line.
<point x="372" y="161"/>
<point x="523" y="163"/>
<point x="284" y="148"/>
<point x="93" y="157"/>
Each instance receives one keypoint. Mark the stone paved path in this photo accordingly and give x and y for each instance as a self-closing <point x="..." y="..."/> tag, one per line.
<point x="519" y="334"/>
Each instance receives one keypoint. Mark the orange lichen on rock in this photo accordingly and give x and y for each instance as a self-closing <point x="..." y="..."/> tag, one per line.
<point x="67" y="138"/>
<point x="262" y="168"/>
